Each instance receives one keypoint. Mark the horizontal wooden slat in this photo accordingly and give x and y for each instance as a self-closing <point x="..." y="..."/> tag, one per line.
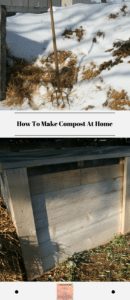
<point x="79" y="201"/>
<point x="61" y="180"/>
<point x="83" y="240"/>
<point x="69" y="226"/>
<point x="54" y="182"/>
<point x="23" y="3"/>
<point x="37" y="158"/>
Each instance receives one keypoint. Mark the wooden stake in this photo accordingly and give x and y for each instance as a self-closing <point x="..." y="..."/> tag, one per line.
<point x="55" y="46"/>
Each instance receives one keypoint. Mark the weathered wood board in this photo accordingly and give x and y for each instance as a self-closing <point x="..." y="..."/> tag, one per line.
<point x="76" y="210"/>
<point x="126" y="197"/>
<point x="2" y="53"/>
<point x="28" y="5"/>
<point x="19" y="204"/>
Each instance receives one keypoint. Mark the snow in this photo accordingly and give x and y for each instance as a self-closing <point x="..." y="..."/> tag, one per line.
<point x="29" y="36"/>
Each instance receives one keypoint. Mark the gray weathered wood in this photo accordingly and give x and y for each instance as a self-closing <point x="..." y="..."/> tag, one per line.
<point x="2" y="52"/>
<point x="61" y="180"/>
<point x="50" y="157"/>
<point x="126" y="197"/>
<point x="79" y="203"/>
<point x="33" y="6"/>
<point x="19" y="203"/>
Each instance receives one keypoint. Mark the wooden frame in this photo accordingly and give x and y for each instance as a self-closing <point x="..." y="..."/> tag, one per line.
<point x="16" y="191"/>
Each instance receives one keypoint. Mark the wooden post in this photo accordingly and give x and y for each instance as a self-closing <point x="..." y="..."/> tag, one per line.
<point x="126" y="198"/>
<point x="2" y="52"/>
<point x="20" y="206"/>
<point x="55" y="46"/>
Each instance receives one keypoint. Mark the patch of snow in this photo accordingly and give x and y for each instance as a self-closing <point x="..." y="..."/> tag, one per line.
<point x="29" y="36"/>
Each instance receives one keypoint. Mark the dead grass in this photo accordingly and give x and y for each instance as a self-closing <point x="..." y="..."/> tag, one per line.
<point x="25" y="78"/>
<point x="93" y="71"/>
<point x="11" y="263"/>
<point x="113" y="15"/>
<point x="122" y="48"/>
<point x="109" y="64"/>
<point x="124" y="9"/>
<point x="100" y="34"/>
<point x="90" y="72"/>
<point x="78" y="32"/>
<point x="117" y="100"/>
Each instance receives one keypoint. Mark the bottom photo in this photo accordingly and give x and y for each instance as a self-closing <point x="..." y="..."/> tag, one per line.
<point x="65" y="209"/>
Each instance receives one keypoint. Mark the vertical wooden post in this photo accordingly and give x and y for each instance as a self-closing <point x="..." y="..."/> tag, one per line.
<point x="55" y="46"/>
<point x="126" y="197"/>
<point x="2" y="52"/>
<point x="20" y="205"/>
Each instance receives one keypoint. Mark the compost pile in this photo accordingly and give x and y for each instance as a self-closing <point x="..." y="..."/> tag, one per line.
<point x="11" y="263"/>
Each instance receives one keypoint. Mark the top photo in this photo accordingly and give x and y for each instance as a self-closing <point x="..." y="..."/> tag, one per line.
<point x="64" y="55"/>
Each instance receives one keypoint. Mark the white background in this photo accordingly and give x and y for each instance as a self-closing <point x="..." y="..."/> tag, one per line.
<point x="82" y="291"/>
<point x="120" y="127"/>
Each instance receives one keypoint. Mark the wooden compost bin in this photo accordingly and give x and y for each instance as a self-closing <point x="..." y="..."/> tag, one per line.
<point x="65" y="201"/>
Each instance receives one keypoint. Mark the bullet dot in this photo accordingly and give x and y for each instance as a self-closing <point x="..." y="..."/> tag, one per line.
<point x="16" y="292"/>
<point x="113" y="291"/>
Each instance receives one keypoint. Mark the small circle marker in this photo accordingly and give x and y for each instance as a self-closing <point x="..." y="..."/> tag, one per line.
<point x="16" y="291"/>
<point x="113" y="291"/>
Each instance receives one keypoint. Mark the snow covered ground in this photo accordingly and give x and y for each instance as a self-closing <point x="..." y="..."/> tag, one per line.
<point x="29" y="36"/>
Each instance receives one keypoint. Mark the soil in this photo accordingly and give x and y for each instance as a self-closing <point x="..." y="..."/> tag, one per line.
<point x="11" y="262"/>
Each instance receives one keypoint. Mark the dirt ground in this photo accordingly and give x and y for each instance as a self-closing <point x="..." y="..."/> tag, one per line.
<point x="110" y="262"/>
<point x="11" y="262"/>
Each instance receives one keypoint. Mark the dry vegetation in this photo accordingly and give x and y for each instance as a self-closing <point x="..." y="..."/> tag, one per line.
<point x="113" y="15"/>
<point x="90" y="72"/>
<point x="11" y="263"/>
<point x="93" y="70"/>
<point x="123" y="9"/>
<point x="122" y="48"/>
<point x="78" y="33"/>
<point x="24" y="78"/>
<point x="117" y="100"/>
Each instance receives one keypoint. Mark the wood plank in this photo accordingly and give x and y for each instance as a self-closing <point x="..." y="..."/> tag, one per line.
<point x="65" y="179"/>
<point x="54" y="181"/>
<point x="23" y="3"/>
<point x="19" y="202"/>
<point x="2" y="53"/>
<point x="126" y="198"/>
<point x="69" y="198"/>
<point x="83" y="240"/>
<point x="38" y="158"/>
<point x="69" y="228"/>
<point x="92" y="175"/>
